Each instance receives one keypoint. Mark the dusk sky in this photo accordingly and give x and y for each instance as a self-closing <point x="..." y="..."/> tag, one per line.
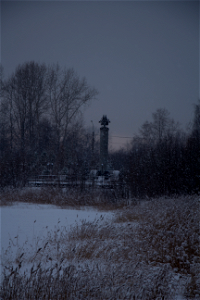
<point x="140" y="55"/>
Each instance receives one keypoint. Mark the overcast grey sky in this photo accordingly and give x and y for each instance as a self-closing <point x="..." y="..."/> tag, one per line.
<point x="140" y="55"/>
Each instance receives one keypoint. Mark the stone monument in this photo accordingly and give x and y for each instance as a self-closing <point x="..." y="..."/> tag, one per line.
<point x="104" y="144"/>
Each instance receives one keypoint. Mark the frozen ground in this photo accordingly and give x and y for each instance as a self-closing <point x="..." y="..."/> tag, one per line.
<point x="146" y="251"/>
<point x="25" y="225"/>
<point x="23" y="222"/>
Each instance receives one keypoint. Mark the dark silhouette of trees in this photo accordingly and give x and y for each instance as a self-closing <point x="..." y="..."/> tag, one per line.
<point x="25" y="101"/>
<point x="192" y="154"/>
<point x="40" y="108"/>
<point x="164" y="160"/>
<point x="67" y="93"/>
<point x="41" y="132"/>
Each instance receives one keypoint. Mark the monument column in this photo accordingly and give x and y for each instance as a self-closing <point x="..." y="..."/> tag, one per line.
<point x="104" y="144"/>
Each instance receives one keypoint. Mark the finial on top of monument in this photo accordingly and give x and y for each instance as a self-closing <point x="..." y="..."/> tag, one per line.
<point x="104" y="120"/>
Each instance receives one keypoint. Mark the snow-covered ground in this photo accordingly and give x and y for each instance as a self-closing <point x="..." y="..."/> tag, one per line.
<point x="26" y="226"/>
<point x="149" y="250"/>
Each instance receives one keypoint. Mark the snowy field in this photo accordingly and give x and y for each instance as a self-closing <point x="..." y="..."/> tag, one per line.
<point x="26" y="226"/>
<point x="149" y="250"/>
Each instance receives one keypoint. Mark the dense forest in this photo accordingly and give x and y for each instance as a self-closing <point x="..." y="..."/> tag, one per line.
<point x="42" y="132"/>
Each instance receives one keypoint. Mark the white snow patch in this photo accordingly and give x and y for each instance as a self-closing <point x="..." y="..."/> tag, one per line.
<point x="25" y="226"/>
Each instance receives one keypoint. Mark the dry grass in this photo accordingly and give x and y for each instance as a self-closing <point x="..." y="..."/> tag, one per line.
<point x="139" y="255"/>
<point x="72" y="197"/>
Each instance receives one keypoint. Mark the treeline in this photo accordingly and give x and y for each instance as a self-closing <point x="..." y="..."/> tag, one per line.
<point x="41" y="129"/>
<point x="163" y="159"/>
<point x="41" y="132"/>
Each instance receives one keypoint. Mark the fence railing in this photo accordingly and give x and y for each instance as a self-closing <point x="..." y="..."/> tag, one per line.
<point x="73" y="180"/>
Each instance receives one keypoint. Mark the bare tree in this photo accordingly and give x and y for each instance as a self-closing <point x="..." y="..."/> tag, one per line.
<point x="160" y="123"/>
<point x="31" y="95"/>
<point x="24" y="96"/>
<point x="146" y="132"/>
<point x="67" y="94"/>
<point x="29" y="99"/>
<point x="6" y="130"/>
<point x="196" y="121"/>
<point x="161" y="126"/>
